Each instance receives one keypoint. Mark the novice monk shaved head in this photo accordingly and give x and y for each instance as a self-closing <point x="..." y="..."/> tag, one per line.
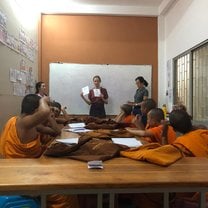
<point x="141" y="121"/>
<point x="193" y="142"/>
<point x="20" y="139"/>
<point x="154" y="128"/>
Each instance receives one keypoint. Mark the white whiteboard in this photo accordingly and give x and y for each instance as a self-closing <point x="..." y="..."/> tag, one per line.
<point x="66" y="81"/>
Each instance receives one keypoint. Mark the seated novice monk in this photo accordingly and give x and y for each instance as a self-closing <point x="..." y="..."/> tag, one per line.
<point x="125" y="116"/>
<point x="57" y="110"/>
<point x="154" y="128"/>
<point x="193" y="142"/>
<point x="141" y="121"/>
<point x="20" y="139"/>
<point x="49" y="129"/>
<point x="20" y="134"/>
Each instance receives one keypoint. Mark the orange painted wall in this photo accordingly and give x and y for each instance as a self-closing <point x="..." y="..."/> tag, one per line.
<point x="99" y="40"/>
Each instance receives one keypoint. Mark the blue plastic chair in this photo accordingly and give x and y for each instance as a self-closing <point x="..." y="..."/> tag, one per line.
<point x="18" y="202"/>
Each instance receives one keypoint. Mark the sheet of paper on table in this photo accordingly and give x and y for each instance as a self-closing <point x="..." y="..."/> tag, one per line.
<point x="130" y="142"/>
<point x="68" y="140"/>
<point x="76" y="125"/>
<point x="79" y="130"/>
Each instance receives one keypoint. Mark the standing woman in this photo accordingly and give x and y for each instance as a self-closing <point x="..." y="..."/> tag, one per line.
<point x="97" y="97"/>
<point x="140" y="95"/>
<point x="40" y="89"/>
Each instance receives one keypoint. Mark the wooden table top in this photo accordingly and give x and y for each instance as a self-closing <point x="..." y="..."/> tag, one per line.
<point x="59" y="173"/>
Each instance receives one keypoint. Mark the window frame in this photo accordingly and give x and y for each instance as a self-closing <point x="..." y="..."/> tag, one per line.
<point x="189" y="52"/>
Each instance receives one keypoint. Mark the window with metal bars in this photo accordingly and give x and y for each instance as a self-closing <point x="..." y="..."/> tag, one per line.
<point x="191" y="81"/>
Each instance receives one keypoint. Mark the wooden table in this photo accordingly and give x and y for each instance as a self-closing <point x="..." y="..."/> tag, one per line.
<point x="120" y="175"/>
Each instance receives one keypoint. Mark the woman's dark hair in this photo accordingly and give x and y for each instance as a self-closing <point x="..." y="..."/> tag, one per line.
<point x="180" y="120"/>
<point x="142" y="80"/>
<point x="38" y="86"/>
<point x="30" y="103"/>
<point x="96" y="76"/>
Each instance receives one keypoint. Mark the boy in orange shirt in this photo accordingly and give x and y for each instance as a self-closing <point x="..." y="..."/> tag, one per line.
<point x="125" y="116"/>
<point x="155" y="127"/>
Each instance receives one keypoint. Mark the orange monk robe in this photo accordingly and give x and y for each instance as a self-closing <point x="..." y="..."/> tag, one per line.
<point x="157" y="134"/>
<point x="195" y="141"/>
<point x="11" y="146"/>
<point x="154" y="153"/>
<point x="128" y="119"/>
<point x="62" y="201"/>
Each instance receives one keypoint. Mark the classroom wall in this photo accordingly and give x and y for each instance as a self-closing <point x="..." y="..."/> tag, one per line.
<point x="16" y="19"/>
<point x="181" y="28"/>
<point x="99" y="40"/>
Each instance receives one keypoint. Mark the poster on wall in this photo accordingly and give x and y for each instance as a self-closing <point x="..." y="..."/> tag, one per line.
<point x="22" y="44"/>
<point x="22" y="79"/>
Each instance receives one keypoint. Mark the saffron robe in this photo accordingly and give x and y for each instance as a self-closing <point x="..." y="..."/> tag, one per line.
<point x="128" y="120"/>
<point x="11" y="146"/>
<point x="195" y="142"/>
<point x="157" y="132"/>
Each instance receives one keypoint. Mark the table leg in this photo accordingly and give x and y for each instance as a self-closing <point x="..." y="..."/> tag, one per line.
<point x="43" y="201"/>
<point x="112" y="197"/>
<point x="166" y="200"/>
<point x="202" y="199"/>
<point x="100" y="200"/>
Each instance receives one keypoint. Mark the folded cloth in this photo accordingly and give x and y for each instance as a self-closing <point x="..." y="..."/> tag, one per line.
<point x="101" y="126"/>
<point x="61" y="150"/>
<point x="154" y="153"/>
<point x="97" y="149"/>
<point x="87" y="149"/>
<point x="62" y="201"/>
<point x="98" y="123"/>
<point x="91" y="119"/>
<point x="108" y="134"/>
<point x="75" y="120"/>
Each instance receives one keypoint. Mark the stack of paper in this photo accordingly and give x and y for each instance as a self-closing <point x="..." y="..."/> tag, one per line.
<point x="68" y="140"/>
<point x="130" y="142"/>
<point x="77" y="127"/>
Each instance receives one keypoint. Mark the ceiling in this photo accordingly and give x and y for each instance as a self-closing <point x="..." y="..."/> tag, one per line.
<point x="100" y="7"/>
<point x="122" y="2"/>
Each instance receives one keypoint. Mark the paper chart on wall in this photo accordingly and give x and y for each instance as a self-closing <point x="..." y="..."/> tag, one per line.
<point x="12" y="75"/>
